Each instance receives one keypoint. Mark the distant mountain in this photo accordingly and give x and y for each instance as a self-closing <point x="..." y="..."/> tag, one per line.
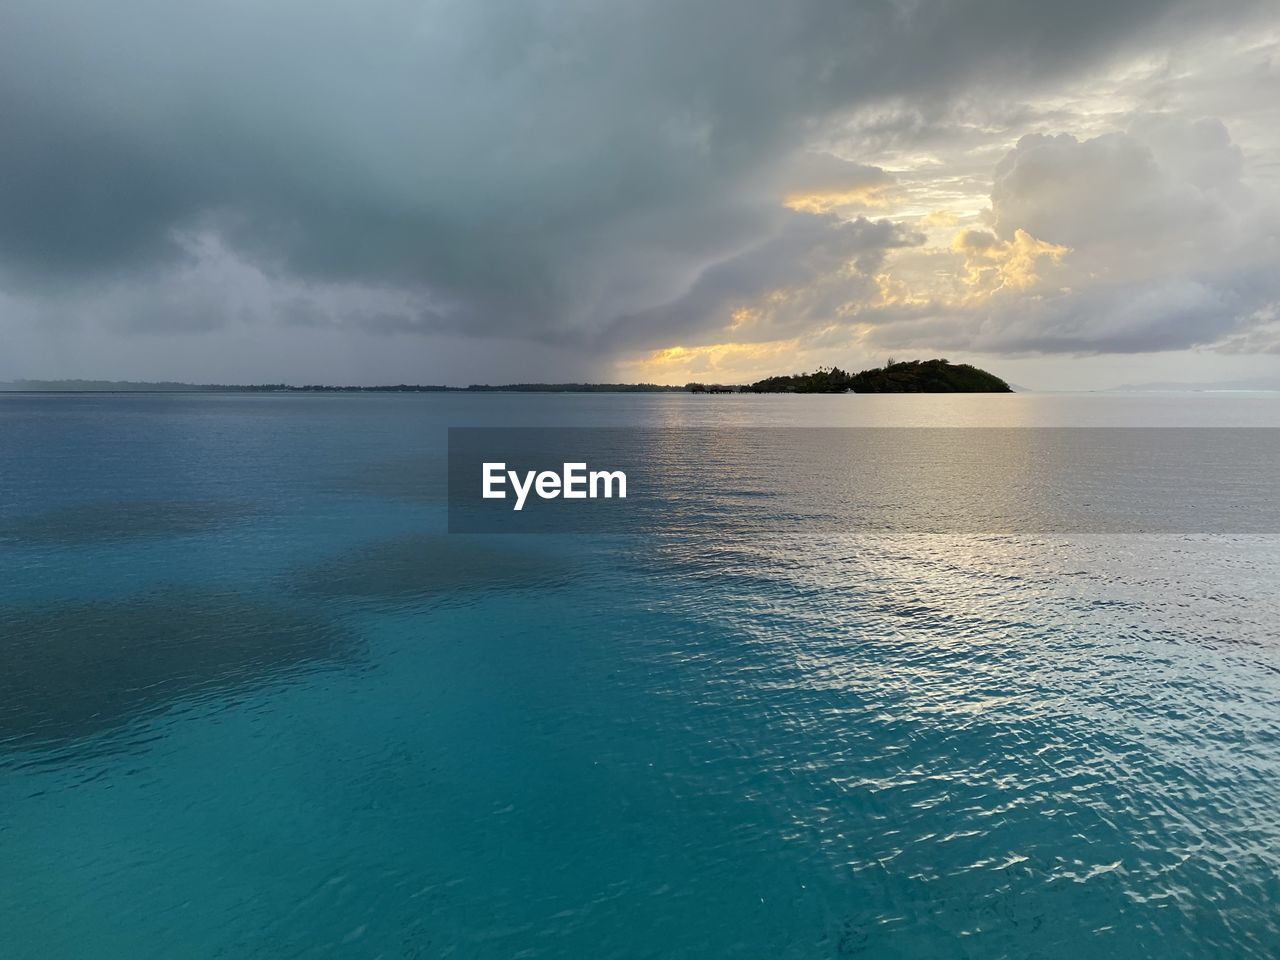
<point x="1172" y="386"/>
<point x="912" y="376"/>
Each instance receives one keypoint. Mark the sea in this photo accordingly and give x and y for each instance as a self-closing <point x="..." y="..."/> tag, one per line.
<point x="256" y="700"/>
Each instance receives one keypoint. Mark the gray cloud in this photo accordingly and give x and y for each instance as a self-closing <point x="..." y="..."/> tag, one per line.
<point x="1112" y="191"/>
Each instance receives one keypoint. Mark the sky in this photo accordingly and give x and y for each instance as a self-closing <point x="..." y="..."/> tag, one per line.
<point x="1073" y="196"/>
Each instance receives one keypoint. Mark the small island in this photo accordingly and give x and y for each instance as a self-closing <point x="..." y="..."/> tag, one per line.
<point x="910" y="376"/>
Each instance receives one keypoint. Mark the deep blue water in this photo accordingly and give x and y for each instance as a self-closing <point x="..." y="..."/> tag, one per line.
<point x="254" y="702"/>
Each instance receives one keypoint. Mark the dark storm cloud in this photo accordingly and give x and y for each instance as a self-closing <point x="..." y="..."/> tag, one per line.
<point x="533" y="170"/>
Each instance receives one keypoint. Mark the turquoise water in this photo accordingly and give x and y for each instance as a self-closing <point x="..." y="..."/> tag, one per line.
<point x="254" y="702"/>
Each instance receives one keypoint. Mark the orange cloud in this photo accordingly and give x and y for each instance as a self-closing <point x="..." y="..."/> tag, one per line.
<point x="940" y="218"/>
<point x="992" y="264"/>
<point x="714" y="363"/>
<point x="875" y="196"/>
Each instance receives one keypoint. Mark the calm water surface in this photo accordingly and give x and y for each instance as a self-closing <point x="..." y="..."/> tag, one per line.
<point x="254" y="702"/>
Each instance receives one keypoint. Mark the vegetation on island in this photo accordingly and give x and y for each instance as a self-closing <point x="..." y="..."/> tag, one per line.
<point x="928" y="376"/>
<point x="911" y="376"/>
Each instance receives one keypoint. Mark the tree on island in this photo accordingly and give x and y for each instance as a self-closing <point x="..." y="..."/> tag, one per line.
<point x="911" y="376"/>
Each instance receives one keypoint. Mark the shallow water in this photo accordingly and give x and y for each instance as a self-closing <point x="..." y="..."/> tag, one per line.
<point x="255" y="703"/>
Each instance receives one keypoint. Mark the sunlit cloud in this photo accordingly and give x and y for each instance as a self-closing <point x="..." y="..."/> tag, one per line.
<point x="993" y="265"/>
<point x="877" y="197"/>
<point x="713" y="363"/>
<point x="940" y="218"/>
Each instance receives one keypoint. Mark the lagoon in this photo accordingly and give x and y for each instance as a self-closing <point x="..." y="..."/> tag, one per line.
<point x="256" y="702"/>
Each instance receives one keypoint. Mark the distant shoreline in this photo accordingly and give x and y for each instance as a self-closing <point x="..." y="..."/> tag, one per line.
<point x="913" y="376"/>
<point x="57" y="386"/>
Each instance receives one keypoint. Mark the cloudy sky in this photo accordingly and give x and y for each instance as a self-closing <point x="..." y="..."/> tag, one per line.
<point x="1073" y="195"/>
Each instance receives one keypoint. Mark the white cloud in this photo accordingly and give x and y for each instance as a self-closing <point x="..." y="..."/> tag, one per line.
<point x="1145" y="240"/>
